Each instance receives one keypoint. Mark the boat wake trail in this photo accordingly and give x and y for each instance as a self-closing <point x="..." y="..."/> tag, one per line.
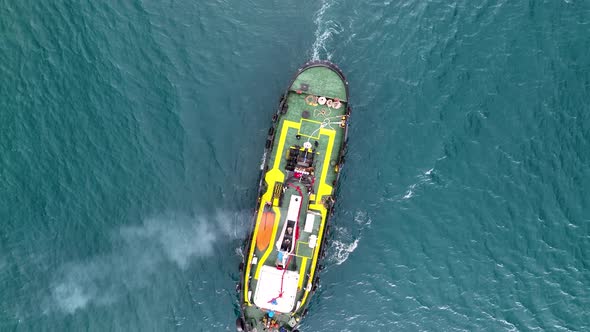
<point x="141" y="251"/>
<point x="325" y="29"/>
<point x="344" y="242"/>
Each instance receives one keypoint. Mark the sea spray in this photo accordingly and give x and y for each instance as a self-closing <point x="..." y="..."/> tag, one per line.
<point x="141" y="252"/>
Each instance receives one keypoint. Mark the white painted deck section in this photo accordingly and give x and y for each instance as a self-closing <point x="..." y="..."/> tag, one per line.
<point x="309" y="221"/>
<point x="269" y="287"/>
<point x="294" y="205"/>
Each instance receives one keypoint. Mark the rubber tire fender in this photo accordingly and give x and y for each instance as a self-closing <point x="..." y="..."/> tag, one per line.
<point x="240" y="325"/>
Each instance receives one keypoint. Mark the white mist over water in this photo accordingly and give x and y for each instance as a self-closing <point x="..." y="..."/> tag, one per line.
<point x="325" y="28"/>
<point x="141" y="252"/>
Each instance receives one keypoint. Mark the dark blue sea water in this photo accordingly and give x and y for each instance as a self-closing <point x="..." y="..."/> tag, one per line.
<point x="131" y="133"/>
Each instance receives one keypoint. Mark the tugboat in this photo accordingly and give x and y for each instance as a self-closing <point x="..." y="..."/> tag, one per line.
<point x="300" y="168"/>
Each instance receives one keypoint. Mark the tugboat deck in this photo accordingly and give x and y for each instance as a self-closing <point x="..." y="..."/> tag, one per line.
<point x="298" y="181"/>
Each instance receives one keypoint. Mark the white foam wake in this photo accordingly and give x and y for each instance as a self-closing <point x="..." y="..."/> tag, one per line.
<point x="325" y="29"/>
<point x="343" y="250"/>
<point x="345" y="242"/>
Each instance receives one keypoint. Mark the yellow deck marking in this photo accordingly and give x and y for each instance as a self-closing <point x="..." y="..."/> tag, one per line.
<point x="312" y="121"/>
<point x="272" y="176"/>
<point x="252" y="245"/>
<point x="295" y="255"/>
<point x="324" y="189"/>
<point x="306" y="243"/>
<point x="302" y="271"/>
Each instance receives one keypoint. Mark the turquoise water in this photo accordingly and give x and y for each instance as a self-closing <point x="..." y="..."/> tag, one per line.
<point x="131" y="135"/>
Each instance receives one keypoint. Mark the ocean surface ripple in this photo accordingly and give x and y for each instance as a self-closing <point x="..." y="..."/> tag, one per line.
<point x="131" y="135"/>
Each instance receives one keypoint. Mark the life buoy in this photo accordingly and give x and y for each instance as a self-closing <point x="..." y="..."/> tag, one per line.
<point x="329" y="103"/>
<point x="311" y="100"/>
<point x="322" y="100"/>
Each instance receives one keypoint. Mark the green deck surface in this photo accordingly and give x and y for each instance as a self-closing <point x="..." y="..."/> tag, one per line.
<point x="322" y="82"/>
<point x="325" y="83"/>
